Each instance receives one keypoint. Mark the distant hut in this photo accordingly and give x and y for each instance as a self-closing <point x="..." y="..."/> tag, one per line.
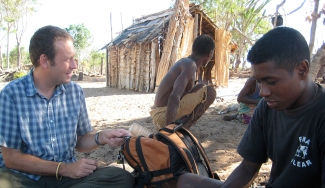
<point x="142" y="54"/>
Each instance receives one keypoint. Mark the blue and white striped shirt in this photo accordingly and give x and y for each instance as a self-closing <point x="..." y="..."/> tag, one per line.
<point x="44" y="128"/>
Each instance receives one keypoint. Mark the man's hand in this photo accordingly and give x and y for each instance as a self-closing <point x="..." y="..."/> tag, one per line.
<point x="78" y="169"/>
<point x="113" y="137"/>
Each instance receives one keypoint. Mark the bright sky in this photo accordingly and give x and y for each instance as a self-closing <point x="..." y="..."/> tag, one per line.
<point x="95" y="15"/>
<point x="297" y="21"/>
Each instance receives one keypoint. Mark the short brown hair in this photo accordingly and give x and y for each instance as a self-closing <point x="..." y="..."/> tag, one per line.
<point x="42" y="42"/>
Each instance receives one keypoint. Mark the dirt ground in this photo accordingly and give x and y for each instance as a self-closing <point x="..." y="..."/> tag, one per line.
<point x="115" y="108"/>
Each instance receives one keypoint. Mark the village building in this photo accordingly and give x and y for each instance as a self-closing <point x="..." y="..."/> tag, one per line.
<point x="142" y="54"/>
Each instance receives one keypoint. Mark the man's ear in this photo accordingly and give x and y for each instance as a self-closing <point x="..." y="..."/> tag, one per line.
<point x="303" y="69"/>
<point x="211" y="54"/>
<point x="44" y="61"/>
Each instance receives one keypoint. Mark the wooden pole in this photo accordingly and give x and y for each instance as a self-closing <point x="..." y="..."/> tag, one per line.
<point x="196" y="25"/>
<point x="168" y="45"/>
<point x="121" y="21"/>
<point x="111" y="27"/>
<point x="108" y="68"/>
<point x="101" y="65"/>
<point x="201" y="24"/>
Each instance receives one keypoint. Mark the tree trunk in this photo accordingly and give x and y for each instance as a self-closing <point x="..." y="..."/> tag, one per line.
<point x="317" y="62"/>
<point x="18" y="56"/>
<point x="238" y="56"/>
<point x="101" y="65"/>
<point x="1" y="62"/>
<point x="321" y="71"/>
<point x="8" y="31"/>
<point x="313" y="27"/>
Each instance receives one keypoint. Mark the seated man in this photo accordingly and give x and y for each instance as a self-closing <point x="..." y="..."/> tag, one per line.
<point x="44" y="118"/>
<point x="248" y="98"/>
<point x="288" y="126"/>
<point x="177" y="98"/>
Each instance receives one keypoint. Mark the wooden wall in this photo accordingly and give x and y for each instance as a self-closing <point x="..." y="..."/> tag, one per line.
<point x="222" y="57"/>
<point x="133" y="67"/>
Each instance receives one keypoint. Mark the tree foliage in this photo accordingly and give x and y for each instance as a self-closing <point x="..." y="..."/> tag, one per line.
<point x="94" y="61"/>
<point x="245" y="19"/>
<point x="13" y="19"/>
<point x="24" y="56"/>
<point x="81" y="35"/>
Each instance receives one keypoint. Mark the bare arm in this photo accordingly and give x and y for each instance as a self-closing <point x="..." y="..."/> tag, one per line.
<point x="178" y="91"/>
<point x="17" y="160"/>
<point x="243" y="175"/>
<point x="248" y="87"/>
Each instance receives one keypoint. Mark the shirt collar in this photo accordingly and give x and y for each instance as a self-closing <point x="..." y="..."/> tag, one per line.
<point x="31" y="89"/>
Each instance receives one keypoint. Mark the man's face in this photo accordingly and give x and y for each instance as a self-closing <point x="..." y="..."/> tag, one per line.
<point x="280" y="89"/>
<point x="64" y="62"/>
<point x="210" y="57"/>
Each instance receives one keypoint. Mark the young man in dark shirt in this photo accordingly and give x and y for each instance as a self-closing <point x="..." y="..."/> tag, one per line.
<point x="288" y="126"/>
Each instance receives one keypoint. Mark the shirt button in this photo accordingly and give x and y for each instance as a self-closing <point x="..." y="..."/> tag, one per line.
<point x="51" y="121"/>
<point x="53" y="139"/>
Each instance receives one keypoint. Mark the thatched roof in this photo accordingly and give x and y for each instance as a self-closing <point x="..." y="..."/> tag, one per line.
<point x="144" y="29"/>
<point x="148" y="28"/>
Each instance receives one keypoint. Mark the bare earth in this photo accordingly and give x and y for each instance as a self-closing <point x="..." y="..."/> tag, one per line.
<point x="115" y="108"/>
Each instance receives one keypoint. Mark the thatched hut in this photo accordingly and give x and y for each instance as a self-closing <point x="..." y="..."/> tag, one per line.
<point x="142" y="54"/>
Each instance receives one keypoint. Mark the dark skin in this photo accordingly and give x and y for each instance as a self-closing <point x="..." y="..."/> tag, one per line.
<point x="281" y="90"/>
<point x="246" y="168"/>
<point x="178" y="82"/>
<point x="205" y="72"/>
<point x="248" y="89"/>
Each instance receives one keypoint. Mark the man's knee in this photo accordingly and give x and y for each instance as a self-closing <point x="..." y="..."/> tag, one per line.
<point x="183" y="180"/>
<point x="211" y="93"/>
<point x="105" y="177"/>
<point x="9" y="178"/>
<point x="196" y="181"/>
<point x="197" y="87"/>
<point x="123" y="175"/>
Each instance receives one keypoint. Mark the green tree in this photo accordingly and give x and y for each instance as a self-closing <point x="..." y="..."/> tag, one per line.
<point x="221" y="12"/>
<point x="249" y="26"/>
<point x="25" y="9"/>
<point x="81" y="35"/>
<point x="82" y="40"/>
<point x="245" y="19"/>
<point x="95" y="61"/>
<point x="14" y="14"/>
<point x="8" y="9"/>
<point x="24" y="56"/>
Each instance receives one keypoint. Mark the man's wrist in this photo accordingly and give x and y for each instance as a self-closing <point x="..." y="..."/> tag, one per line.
<point x="97" y="139"/>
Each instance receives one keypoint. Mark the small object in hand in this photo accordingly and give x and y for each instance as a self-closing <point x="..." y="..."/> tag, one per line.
<point x="119" y="158"/>
<point x="126" y="137"/>
<point x="138" y="130"/>
<point x="100" y="164"/>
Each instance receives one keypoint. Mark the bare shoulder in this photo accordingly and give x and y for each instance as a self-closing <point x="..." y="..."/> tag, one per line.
<point x="251" y="81"/>
<point x="186" y="64"/>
